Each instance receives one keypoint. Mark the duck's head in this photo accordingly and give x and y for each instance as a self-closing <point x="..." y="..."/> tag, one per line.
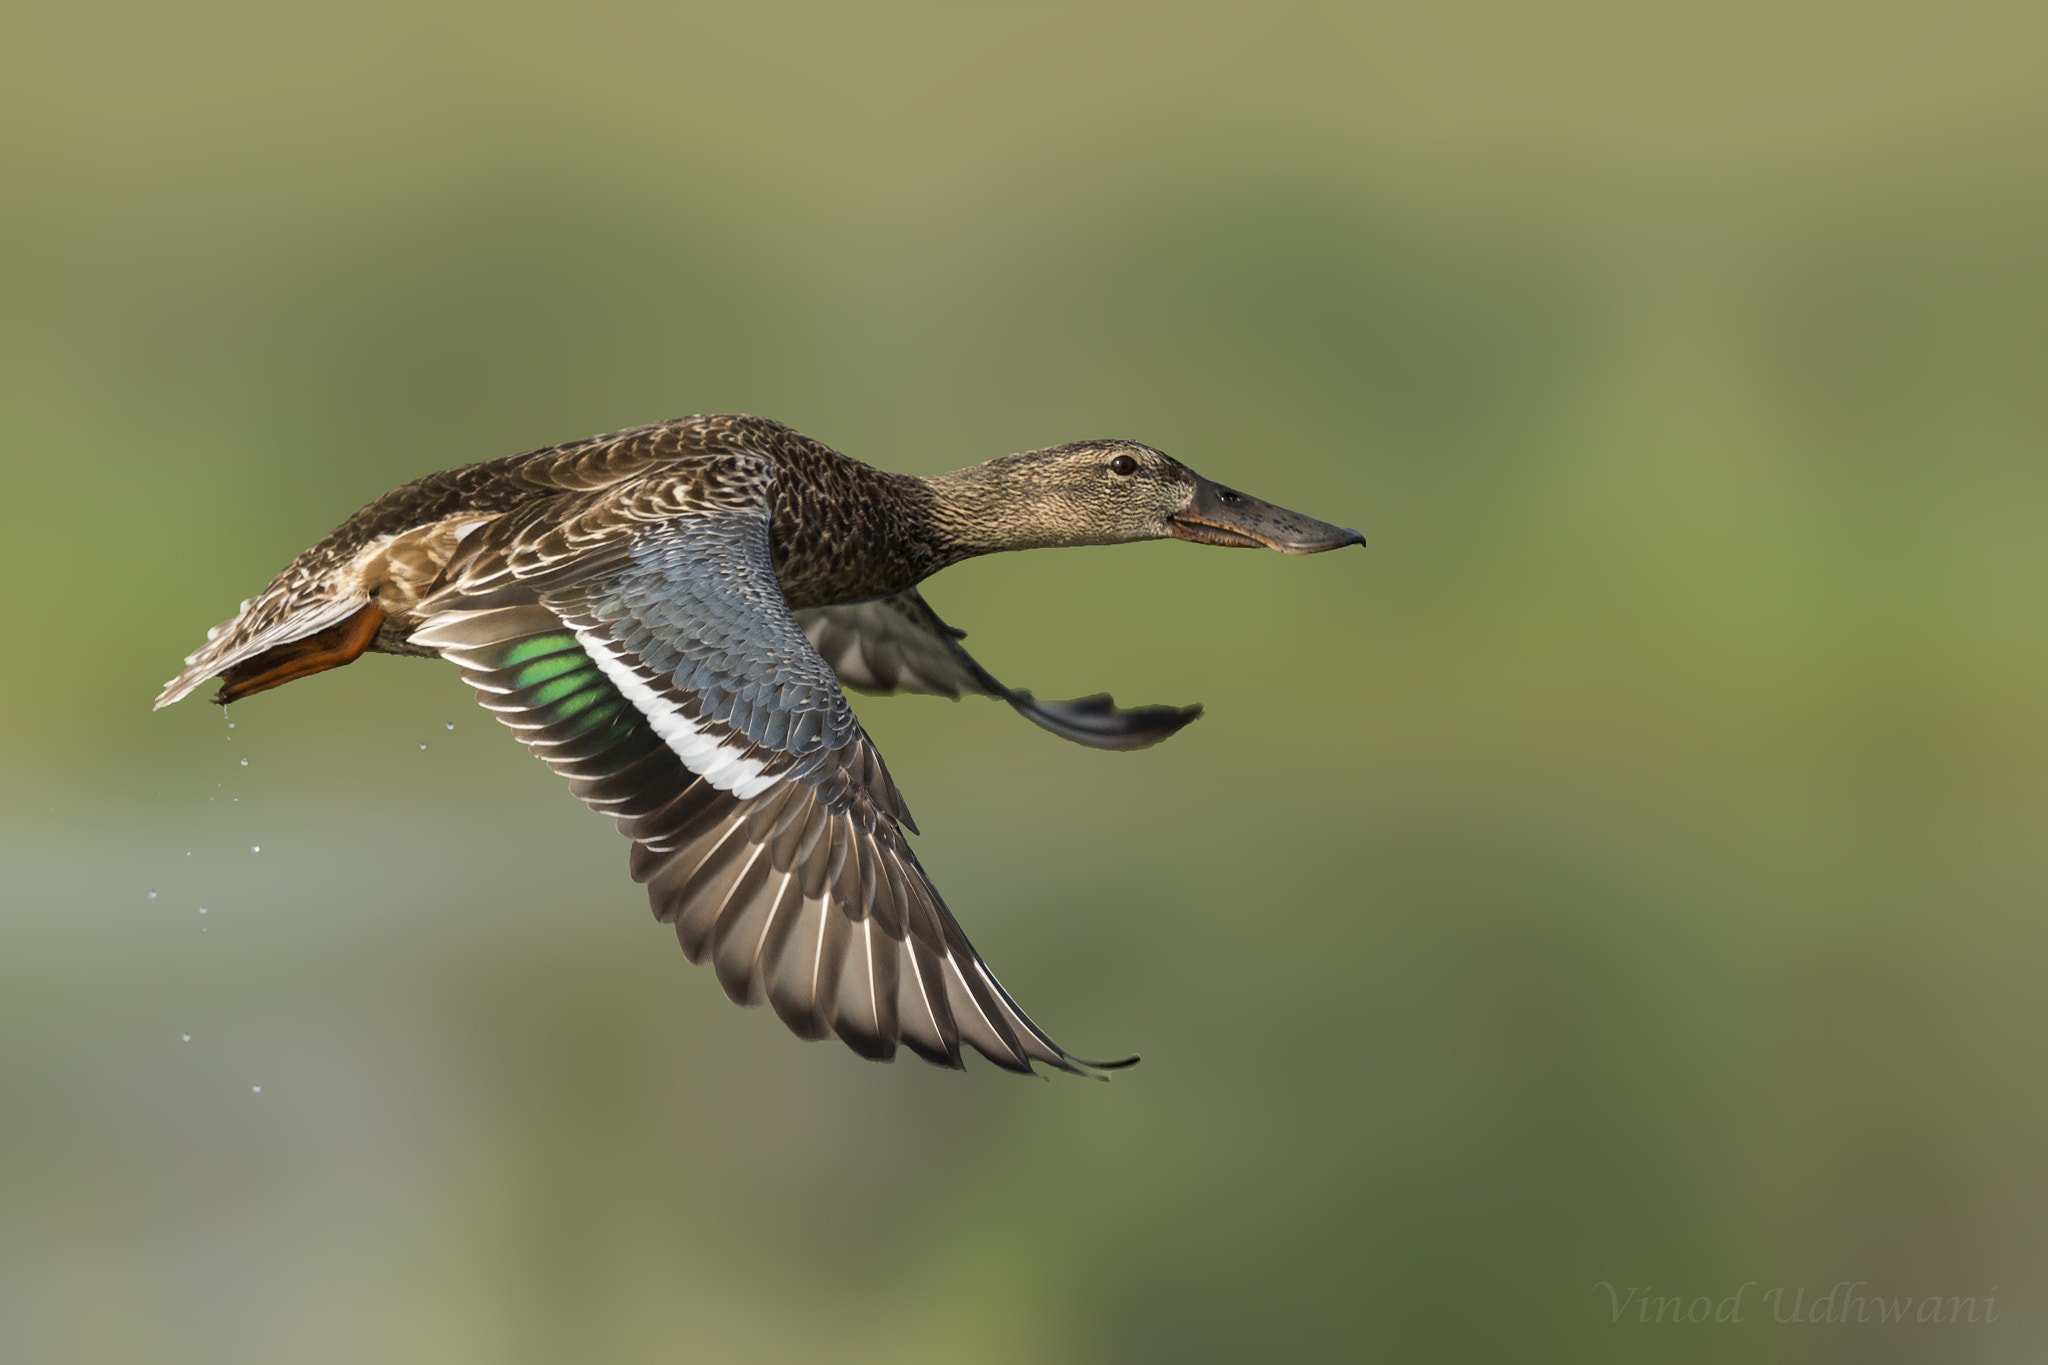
<point x="1111" y="492"/>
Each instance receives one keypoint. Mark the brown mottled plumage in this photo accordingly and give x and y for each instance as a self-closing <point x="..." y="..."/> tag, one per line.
<point x="666" y="615"/>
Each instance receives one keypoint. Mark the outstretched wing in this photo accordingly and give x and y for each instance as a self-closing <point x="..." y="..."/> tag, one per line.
<point x="899" y="644"/>
<point x="664" y="676"/>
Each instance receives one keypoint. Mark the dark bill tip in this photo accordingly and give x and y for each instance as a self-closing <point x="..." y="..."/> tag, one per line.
<point x="1224" y="516"/>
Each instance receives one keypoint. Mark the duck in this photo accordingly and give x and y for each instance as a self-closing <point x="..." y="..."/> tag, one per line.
<point x="671" y="616"/>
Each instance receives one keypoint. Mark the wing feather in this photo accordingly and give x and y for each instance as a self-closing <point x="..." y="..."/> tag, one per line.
<point x="899" y="644"/>
<point x="675" y="692"/>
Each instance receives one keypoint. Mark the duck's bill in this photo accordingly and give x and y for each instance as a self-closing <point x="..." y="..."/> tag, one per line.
<point x="1224" y="516"/>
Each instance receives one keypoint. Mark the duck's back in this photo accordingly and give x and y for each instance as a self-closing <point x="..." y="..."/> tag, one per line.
<point x="391" y="552"/>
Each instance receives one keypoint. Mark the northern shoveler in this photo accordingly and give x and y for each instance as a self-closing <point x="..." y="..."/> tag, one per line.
<point x="666" y="616"/>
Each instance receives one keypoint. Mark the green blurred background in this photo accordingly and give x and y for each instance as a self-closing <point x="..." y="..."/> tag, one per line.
<point x="1628" y="869"/>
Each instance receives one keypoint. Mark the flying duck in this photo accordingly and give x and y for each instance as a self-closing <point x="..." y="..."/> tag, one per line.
<point x="667" y="616"/>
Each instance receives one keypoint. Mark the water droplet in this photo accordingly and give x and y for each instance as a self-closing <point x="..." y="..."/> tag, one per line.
<point x="186" y="1036"/>
<point x="451" y="725"/>
<point x="245" y="762"/>
<point x="255" y="848"/>
<point x="152" y="895"/>
<point x="423" y="748"/>
<point x="255" y="1089"/>
<point x="202" y="909"/>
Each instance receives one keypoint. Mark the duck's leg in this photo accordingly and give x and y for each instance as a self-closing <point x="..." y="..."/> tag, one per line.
<point x="331" y="648"/>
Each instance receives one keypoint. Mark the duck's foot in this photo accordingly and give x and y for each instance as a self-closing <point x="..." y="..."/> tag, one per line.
<point x="330" y="648"/>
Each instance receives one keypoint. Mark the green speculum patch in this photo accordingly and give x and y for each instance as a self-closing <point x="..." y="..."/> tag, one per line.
<point x="567" y="685"/>
<point x="560" y="681"/>
<point x="571" y="661"/>
<point x="593" y="707"/>
<point x="539" y="645"/>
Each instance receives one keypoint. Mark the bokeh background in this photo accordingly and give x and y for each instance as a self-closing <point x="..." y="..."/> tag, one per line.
<point x="1630" y="869"/>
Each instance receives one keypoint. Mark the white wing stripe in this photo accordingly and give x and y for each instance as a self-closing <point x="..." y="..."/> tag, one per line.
<point x="714" y="760"/>
<point x="867" y="946"/>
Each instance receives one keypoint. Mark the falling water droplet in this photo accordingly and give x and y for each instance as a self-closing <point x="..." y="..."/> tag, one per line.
<point x="451" y="725"/>
<point x="245" y="762"/>
<point x="255" y="848"/>
<point x="255" y="1089"/>
<point x="186" y="1036"/>
<point x="423" y="748"/>
<point x="231" y="725"/>
<point x="202" y="909"/>
<point x="152" y="895"/>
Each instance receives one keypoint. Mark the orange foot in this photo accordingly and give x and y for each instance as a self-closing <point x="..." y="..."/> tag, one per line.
<point x="330" y="648"/>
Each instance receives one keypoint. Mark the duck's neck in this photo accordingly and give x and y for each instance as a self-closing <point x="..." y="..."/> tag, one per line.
<point x="987" y="508"/>
<point x="845" y="532"/>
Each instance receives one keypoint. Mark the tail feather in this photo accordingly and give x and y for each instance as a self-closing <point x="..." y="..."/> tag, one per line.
<point x="262" y="623"/>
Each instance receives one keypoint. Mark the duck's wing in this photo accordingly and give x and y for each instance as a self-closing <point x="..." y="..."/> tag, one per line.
<point x="659" y="670"/>
<point x="899" y="644"/>
<point x="411" y="533"/>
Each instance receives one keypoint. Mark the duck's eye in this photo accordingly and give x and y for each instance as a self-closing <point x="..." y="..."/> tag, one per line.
<point x="1123" y="464"/>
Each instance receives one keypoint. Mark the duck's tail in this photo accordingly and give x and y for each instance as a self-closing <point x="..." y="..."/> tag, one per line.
<point x="281" y="617"/>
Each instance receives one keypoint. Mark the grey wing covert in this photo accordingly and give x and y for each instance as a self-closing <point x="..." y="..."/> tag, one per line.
<point x="676" y="692"/>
